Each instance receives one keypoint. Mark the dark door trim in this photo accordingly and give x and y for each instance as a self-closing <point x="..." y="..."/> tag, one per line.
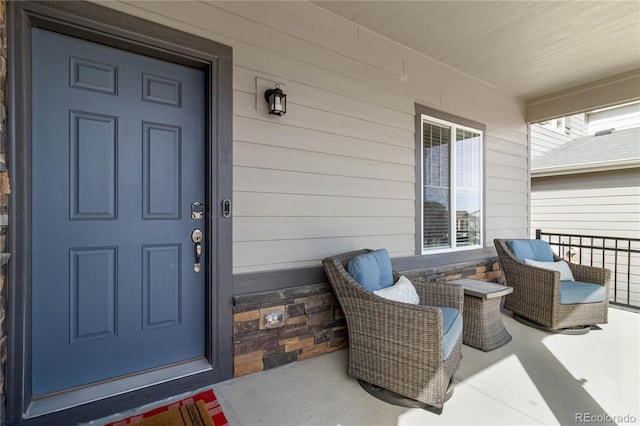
<point x="102" y="25"/>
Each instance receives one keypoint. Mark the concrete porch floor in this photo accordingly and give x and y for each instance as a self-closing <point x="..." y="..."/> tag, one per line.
<point x="536" y="379"/>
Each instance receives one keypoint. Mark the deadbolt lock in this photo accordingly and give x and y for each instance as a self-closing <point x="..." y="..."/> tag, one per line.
<point x="197" y="210"/>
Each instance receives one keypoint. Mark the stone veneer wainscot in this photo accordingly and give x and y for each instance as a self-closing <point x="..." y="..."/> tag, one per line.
<point x="314" y="323"/>
<point x="4" y="199"/>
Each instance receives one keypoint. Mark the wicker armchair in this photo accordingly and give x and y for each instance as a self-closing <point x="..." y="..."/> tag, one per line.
<point x="536" y="293"/>
<point x="397" y="346"/>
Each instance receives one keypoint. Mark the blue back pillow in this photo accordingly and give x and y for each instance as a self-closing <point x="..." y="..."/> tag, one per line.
<point x="538" y="250"/>
<point x="372" y="270"/>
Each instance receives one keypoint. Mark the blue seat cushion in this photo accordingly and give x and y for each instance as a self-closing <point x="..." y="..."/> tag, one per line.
<point x="572" y="292"/>
<point x="451" y="329"/>
<point x="372" y="270"/>
<point x="538" y="250"/>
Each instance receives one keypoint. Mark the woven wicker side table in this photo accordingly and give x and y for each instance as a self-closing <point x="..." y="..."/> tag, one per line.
<point x="482" y="323"/>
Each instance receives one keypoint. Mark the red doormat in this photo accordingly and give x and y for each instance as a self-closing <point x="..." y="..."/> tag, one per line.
<point x="184" y="412"/>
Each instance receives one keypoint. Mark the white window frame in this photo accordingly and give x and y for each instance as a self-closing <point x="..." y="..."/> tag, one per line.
<point x="558" y="125"/>
<point x="452" y="186"/>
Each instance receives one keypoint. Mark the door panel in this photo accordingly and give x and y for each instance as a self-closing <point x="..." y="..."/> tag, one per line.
<point x="118" y="158"/>
<point x="92" y="166"/>
<point x="161" y="171"/>
<point x="92" y="288"/>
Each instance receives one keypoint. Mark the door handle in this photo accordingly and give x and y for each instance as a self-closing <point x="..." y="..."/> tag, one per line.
<point x="196" y="237"/>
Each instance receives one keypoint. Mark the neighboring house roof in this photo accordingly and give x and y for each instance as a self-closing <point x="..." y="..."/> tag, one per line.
<point x="617" y="150"/>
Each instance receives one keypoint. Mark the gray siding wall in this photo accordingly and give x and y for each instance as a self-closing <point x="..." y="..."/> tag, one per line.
<point x="544" y="139"/>
<point x="624" y="117"/>
<point x="337" y="171"/>
<point x="606" y="203"/>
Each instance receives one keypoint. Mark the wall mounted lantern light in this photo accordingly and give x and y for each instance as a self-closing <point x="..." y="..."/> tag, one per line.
<point x="277" y="101"/>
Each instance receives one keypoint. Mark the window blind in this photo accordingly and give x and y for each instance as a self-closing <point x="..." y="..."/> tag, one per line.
<point x="436" y="190"/>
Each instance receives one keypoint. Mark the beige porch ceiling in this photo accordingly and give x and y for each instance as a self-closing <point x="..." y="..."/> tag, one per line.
<point x="532" y="50"/>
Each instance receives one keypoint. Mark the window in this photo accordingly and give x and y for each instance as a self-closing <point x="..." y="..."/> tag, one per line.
<point x="451" y="182"/>
<point x="558" y="125"/>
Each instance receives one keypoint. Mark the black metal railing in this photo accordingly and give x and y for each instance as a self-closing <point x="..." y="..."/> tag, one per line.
<point x="620" y="255"/>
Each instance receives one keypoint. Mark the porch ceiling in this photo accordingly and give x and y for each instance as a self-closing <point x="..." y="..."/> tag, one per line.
<point x="527" y="49"/>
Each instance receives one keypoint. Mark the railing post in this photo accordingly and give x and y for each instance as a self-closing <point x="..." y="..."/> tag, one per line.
<point x="538" y="234"/>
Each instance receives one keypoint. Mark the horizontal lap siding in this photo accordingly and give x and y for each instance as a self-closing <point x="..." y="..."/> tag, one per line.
<point x="544" y="139"/>
<point x="606" y="204"/>
<point x="337" y="171"/>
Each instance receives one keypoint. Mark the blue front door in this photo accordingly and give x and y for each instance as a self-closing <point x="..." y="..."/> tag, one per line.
<point x="117" y="160"/>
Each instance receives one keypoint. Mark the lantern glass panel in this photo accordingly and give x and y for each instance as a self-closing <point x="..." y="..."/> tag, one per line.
<point x="277" y="101"/>
<point x="281" y="103"/>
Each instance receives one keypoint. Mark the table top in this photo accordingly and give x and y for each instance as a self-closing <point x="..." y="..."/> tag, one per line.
<point x="483" y="289"/>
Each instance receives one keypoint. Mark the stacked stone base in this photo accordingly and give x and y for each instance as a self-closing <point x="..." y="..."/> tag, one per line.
<point x="313" y="321"/>
<point x="313" y="325"/>
<point x="484" y="270"/>
<point x="4" y="201"/>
